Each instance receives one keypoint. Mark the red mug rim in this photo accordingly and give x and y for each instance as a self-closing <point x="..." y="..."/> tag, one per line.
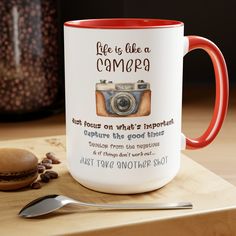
<point x="124" y="23"/>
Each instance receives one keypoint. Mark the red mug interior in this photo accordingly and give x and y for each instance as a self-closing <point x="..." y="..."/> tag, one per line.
<point x="123" y="23"/>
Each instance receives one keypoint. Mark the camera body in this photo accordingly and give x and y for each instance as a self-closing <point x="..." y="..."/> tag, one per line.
<point x="123" y="99"/>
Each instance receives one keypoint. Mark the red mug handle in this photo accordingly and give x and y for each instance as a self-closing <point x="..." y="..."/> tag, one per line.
<point x="222" y="91"/>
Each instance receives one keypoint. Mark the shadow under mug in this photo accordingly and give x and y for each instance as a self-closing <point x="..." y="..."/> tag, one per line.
<point x="124" y="136"/>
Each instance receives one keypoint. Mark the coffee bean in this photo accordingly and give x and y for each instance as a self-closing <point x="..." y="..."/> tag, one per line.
<point x="52" y="174"/>
<point x="45" y="178"/>
<point x="52" y="156"/>
<point x="41" y="168"/>
<point x="56" y="161"/>
<point x="47" y="165"/>
<point x="46" y="160"/>
<point x="29" y="60"/>
<point x="36" y="185"/>
<point x="47" y="174"/>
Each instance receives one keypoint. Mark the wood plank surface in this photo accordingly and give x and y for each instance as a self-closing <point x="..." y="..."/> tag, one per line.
<point x="214" y="200"/>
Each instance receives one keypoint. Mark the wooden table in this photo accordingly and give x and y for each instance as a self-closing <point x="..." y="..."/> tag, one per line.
<point x="213" y="213"/>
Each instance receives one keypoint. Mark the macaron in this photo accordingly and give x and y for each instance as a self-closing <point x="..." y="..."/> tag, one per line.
<point x="18" y="168"/>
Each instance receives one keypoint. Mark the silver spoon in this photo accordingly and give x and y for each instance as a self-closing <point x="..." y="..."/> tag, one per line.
<point x="49" y="203"/>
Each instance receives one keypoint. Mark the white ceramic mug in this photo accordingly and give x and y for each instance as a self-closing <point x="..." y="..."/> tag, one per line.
<point x="124" y="99"/>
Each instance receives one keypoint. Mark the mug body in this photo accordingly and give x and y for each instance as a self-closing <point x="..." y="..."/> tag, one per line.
<point x="123" y="103"/>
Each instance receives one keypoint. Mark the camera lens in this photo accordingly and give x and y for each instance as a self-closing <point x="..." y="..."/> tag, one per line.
<point x="123" y="103"/>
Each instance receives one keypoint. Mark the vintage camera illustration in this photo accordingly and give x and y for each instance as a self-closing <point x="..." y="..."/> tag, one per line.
<point x="123" y="99"/>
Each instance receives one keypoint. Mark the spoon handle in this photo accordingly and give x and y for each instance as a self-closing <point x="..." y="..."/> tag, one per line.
<point x="140" y="206"/>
